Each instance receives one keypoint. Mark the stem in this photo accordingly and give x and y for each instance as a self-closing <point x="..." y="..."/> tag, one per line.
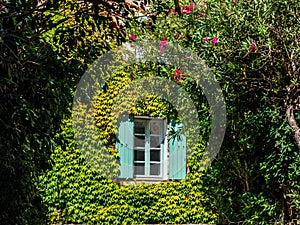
<point x="293" y="124"/>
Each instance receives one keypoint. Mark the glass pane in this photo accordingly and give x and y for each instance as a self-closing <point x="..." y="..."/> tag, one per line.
<point x="139" y="141"/>
<point x="154" y="169"/>
<point x="139" y="155"/>
<point x="155" y="127"/>
<point x="155" y="155"/>
<point x="139" y="169"/>
<point x="139" y="127"/>
<point x="155" y="142"/>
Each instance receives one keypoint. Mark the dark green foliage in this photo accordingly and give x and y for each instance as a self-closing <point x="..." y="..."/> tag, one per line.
<point x="34" y="96"/>
<point x="36" y="83"/>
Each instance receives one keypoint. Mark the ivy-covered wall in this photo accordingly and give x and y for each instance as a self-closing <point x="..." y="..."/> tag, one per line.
<point x="75" y="192"/>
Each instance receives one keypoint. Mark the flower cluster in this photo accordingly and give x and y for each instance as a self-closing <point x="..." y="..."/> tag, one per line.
<point x="132" y="37"/>
<point x="187" y="9"/>
<point x="252" y="47"/>
<point x="213" y="41"/>
<point x="177" y="74"/>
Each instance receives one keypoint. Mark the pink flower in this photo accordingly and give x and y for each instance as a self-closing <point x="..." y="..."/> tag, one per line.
<point x="175" y="13"/>
<point x="177" y="74"/>
<point x="191" y="7"/>
<point x="163" y="45"/>
<point x="132" y="37"/>
<point x="206" y="39"/>
<point x="184" y="9"/>
<point x="214" y="40"/>
<point x="252" y="47"/>
<point x="187" y="9"/>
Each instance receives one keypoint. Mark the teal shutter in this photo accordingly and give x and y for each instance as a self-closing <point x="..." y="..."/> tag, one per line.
<point x="125" y="146"/>
<point x="177" y="153"/>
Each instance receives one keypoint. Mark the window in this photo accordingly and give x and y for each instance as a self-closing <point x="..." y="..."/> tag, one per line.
<point x="147" y="153"/>
<point x="148" y="147"/>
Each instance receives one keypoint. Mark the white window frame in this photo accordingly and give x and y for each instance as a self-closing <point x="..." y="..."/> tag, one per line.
<point x="164" y="162"/>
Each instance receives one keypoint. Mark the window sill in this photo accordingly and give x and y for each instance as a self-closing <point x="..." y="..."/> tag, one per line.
<point x="137" y="181"/>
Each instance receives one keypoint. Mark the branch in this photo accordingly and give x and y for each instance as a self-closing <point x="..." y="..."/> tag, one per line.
<point x="177" y="7"/>
<point x="293" y="124"/>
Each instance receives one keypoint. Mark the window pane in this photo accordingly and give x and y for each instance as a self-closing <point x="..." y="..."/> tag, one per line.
<point x="139" y="127"/>
<point x="139" y="141"/>
<point x="139" y="169"/>
<point x="155" y="142"/>
<point x="155" y="155"/>
<point x="139" y="155"/>
<point x="154" y="169"/>
<point x="155" y="127"/>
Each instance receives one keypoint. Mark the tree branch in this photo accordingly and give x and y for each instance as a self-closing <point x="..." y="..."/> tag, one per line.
<point x="293" y="124"/>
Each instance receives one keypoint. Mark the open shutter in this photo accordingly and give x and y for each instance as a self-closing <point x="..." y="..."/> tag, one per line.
<point x="125" y="146"/>
<point x="177" y="153"/>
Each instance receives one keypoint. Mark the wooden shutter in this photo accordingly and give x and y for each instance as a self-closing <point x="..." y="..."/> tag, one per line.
<point x="125" y="146"/>
<point x="177" y="153"/>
